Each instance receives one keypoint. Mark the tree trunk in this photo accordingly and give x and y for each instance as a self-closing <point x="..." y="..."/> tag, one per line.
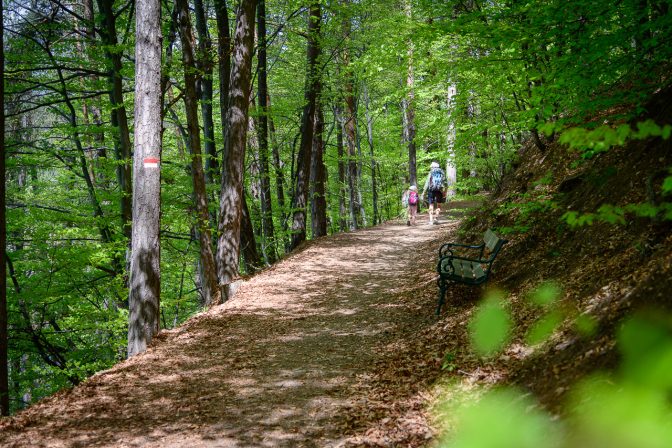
<point x="224" y="57"/>
<point x="209" y="271"/>
<point x="204" y="63"/>
<point x="349" y="123"/>
<point x="369" y="136"/>
<point x="119" y="121"/>
<point x="318" y="201"/>
<point x="279" y="174"/>
<point x="267" y="231"/>
<point x="312" y="88"/>
<point x="230" y="205"/>
<point x="145" y="278"/>
<point x="247" y="241"/>
<point x="4" y="358"/>
<point x="409" y="127"/>
<point x="342" y="222"/>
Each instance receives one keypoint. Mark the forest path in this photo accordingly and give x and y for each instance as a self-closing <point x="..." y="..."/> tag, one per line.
<point x="281" y="364"/>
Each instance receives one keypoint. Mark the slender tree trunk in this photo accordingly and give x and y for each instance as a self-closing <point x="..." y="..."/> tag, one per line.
<point x="408" y="110"/>
<point x="369" y="136"/>
<point x="4" y="355"/>
<point x="119" y="121"/>
<point x="279" y="174"/>
<point x="247" y="241"/>
<point x="300" y="199"/>
<point x="145" y="275"/>
<point x="230" y="205"/>
<point x="207" y="259"/>
<point x="349" y="124"/>
<point x="318" y="202"/>
<point x="224" y="57"/>
<point x="342" y="222"/>
<point x="204" y="63"/>
<point x="267" y="231"/>
<point x="352" y="154"/>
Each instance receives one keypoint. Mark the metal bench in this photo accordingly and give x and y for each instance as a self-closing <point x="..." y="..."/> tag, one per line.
<point x="469" y="271"/>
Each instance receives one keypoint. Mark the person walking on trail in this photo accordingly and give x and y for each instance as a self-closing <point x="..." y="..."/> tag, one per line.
<point x="435" y="186"/>
<point x="410" y="200"/>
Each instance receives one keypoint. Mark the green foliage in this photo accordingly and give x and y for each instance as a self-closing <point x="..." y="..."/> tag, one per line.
<point x="593" y="141"/>
<point x="502" y="419"/>
<point x="628" y="409"/>
<point x="527" y="209"/>
<point x="491" y="325"/>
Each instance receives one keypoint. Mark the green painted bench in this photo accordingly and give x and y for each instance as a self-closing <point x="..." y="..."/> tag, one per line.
<point x="455" y="269"/>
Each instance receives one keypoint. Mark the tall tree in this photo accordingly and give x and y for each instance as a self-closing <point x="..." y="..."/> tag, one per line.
<point x="204" y="62"/>
<point x="210" y="286"/>
<point x="340" y="152"/>
<point x="369" y="137"/>
<point x="407" y="104"/>
<point x="145" y="274"/>
<point x="312" y="87"/>
<point x="118" y="119"/>
<point x="318" y="200"/>
<point x="4" y="359"/>
<point x="268" y="244"/>
<point x="235" y="136"/>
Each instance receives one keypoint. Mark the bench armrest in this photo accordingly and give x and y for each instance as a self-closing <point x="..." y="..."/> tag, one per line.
<point x="455" y="257"/>
<point x="445" y="248"/>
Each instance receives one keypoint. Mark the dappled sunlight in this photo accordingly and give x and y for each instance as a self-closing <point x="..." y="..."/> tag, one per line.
<point x="281" y="357"/>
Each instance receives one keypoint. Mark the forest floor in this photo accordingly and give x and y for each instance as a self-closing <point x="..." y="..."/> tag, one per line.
<point x="338" y="345"/>
<point x="307" y="353"/>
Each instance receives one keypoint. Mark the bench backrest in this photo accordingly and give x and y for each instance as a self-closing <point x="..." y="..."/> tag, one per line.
<point x="493" y="243"/>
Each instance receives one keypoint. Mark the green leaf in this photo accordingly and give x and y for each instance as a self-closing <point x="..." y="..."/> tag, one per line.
<point x="491" y="325"/>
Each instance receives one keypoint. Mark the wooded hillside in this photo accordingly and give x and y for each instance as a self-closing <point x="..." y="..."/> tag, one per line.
<point x="157" y="153"/>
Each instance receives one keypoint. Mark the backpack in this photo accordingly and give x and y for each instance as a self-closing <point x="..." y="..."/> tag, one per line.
<point x="412" y="197"/>
<point x="436" y="179"/>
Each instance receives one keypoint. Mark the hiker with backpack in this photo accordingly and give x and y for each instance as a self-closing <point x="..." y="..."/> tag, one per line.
<point x="435" y="186"/>
<point x="410" y="200"/>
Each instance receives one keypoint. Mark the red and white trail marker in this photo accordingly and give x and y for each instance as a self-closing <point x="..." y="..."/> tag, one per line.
<point x="150" y="162"/>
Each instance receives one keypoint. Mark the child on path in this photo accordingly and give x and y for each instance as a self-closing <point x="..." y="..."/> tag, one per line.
<point x="410" y="200"/>
<point x="435" y="185"/>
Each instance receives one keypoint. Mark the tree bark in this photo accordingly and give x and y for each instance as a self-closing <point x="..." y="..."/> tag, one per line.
<point x="267" y="230"/>
<point x="209" y="281"/>
<point x="145" y="276"/>
<point x="230" y="205"/>
<point x="318" y="202"/>
<point x="300" y="199"/>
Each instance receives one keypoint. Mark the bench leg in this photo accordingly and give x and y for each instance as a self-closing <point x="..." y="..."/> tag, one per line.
<point x="442" y="294"/>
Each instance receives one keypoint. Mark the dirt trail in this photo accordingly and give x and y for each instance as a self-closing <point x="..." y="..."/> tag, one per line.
<point x="278" y="365"/>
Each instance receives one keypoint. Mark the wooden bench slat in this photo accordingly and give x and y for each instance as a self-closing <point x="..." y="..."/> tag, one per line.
<point x="490" y="240"/>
